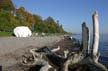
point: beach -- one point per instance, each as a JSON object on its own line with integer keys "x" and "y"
{"x": 12, "y": 48}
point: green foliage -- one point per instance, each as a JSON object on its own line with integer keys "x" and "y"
{"x": 4, "y": 34}
{"x": 21, "y": 13}
{"x": 23, "y": 18}
{"x": 6, "y": 5}
{"x": 7, "y": 21}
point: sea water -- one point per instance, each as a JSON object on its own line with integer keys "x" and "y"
{"x": 103, "y": 46}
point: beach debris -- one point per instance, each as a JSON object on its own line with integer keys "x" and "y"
{"x": 43, "y": 34}
{"x": 95, "y": 37}
{"x": 22, "y": 31}
{"x": 95, "y": 53}
{"x": 66, "y": 53}
{"x": 93, "y": 56}
{"x": 36, "y": 34}
{"x": 87, "y": 58}
{"x": 68, "y": 37}
{"x": 56, "y": 49}
{"x": 36, "y": 60}
{"x": 85, "y": 40}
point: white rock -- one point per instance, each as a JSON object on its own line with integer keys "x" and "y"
{"x": 22, "y": 31}
{"x": 36, "y": 34}
{"x": 43, "y": 34}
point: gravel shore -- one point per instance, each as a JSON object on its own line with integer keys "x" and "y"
{"x": 9, "y": 44}
{"x": 12, "y": 48}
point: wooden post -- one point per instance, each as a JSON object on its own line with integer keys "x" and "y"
{"x": 85, "y": 39}
{"x": 88, "y": 40}
{"x": 95, "y": 35}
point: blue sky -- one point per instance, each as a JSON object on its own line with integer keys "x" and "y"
{"x": 70, "y": 13}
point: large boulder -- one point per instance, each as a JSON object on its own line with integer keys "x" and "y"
{"x": 22, "y": 31}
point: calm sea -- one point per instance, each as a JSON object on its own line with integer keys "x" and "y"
{"x": 103, "y": 47}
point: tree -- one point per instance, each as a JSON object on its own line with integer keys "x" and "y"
{"x": 6, "y": 5}
{"x": 7, "y": 21}
{"x": 25, "y": 16}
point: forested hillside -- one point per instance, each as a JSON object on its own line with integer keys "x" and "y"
{"x": 10, "y": 17}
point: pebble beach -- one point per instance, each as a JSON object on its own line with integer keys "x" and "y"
{"x": 12, "y": 48}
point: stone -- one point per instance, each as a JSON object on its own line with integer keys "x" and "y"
{"x": 22, "y": 31}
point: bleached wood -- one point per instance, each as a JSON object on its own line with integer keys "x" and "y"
{"x": 95, "y": 35}
{"x": 56, "y": 49}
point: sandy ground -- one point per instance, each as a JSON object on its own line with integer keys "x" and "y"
{"x": 12, "y": 48}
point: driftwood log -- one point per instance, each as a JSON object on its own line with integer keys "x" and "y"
{"x": 93, "y": 56}
{"x": 95, "y": 37}
{"x": 85, "y": 40}
{"x": 89, "y": 56}
{"x": 86, "y": 57}
{"x": 36, "y": 60}
{"x": 95, "y": 52}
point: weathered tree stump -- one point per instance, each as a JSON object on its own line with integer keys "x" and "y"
{"x": 94, "y": 56}
{"x": 90, "y": 58}
{"x": 95, "y": 37}
{"x": 85, "y": 40}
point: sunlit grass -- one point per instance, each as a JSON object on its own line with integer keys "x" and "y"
{"x": 5, "y": 34}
